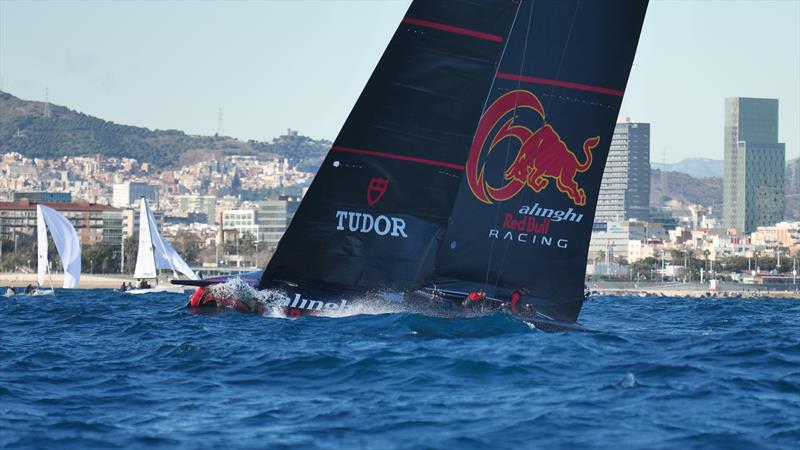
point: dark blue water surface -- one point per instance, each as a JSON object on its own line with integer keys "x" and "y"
{"x": 107, "y": 370}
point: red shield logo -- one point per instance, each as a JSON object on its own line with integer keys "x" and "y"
{"x": 377, "y": 187}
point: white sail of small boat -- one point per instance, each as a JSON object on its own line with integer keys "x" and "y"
{"x": 67, "y": 244}
{"x": 155, "y": 253}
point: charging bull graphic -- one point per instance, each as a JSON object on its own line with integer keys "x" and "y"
{"x": 543, "y": 156}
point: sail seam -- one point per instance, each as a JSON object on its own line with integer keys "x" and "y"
{"x": 563, "y": 84}
{"x": 453, "y": 29}
{"x": 428, "y": 162}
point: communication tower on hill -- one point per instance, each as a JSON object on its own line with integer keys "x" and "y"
{"x": 219, "y": 122}
{"x": 46, "y": 102}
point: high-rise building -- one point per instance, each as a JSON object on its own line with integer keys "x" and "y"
{"x": 127, "y": 194}
{"x": 753, "y": 187}
{"x": 793, "y": 176}
{"x": 625, "y": 190}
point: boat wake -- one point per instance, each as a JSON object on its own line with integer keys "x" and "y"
{"x": 273, "y": 302}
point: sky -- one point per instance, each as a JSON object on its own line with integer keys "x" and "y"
{"x": 301, "y": 64}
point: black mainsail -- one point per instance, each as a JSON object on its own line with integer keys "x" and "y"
{"x": 376, "y": 210}
{"x": 473, "y": 158}
{"x": 524, "y": 211}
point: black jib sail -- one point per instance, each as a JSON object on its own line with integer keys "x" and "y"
{"x": 523, "y": 215}
{"x": 378, "y": 207}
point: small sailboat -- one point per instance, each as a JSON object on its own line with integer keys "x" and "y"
{"x": 155, "y": 253}
{"x": 67, "y": 244}
{"x": 466, "y": 177}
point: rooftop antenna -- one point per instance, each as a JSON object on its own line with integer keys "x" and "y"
{"x": 46, "y": 102}
{"x": 219, "y": 122}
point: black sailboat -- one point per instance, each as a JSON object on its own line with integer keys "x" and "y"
{"x": 470, "y": 164}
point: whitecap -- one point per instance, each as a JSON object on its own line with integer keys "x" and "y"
{"x": 628, "y": 381}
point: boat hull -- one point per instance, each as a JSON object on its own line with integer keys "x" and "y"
{"x": 42, "y": 292}
{"x": 173, "y": 289}
{"x": 293, "y": 301}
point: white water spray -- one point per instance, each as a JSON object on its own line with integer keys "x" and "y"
{"x": 274, "y": 301}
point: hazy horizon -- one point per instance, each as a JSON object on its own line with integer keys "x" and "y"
{"x": 301, "y": 65}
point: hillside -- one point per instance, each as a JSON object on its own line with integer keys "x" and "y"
{"x": 696, "y": 167}
{"x": 25, "y": 128}
{"x": 680, "y": 186}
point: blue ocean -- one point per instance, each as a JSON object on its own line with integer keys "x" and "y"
{"x": 101, "y": 369}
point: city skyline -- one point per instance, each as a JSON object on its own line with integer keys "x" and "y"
{"x": 268, "y": 69}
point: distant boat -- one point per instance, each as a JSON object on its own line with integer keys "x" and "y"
{"x": 154, "y": 254}
{"x": 67, "y": 244}
{"x": 466, "y": 177}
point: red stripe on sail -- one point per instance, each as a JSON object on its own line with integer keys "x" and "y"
{"x": 452, "y": 29}
{"x": 413, "y": 159}
{"x": 563, "y": 84}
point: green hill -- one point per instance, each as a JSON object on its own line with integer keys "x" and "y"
{"x": 680, "y": 186}
{"x": 25, "y": 128}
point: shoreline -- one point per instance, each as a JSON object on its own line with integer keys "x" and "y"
{"x": 695, "y": 293}
{"x": 113, "y": 281}
{"x": 88, "y": 281}
{"x": 693, "y": 290}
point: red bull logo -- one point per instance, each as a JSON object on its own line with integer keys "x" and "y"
{"x": 543, "y": 156}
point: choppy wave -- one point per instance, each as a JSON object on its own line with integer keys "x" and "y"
{"x": 100, "y": 369}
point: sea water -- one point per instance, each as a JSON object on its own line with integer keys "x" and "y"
{"x": 102, "y": 369}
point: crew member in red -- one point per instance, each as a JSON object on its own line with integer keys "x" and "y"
{"x": 475, "y": 298}
{"x": 515, "y": 298}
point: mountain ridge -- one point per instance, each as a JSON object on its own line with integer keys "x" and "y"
{"x": 44, "y": 130}
{"x": 696, "y": 167}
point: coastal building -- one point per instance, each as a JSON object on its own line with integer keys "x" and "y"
{"x": 625, "y": 189}
{"x": 611, "y": 240}
{"x": 130, "y": 220}
{"x": 275, "y": 216}
{"x": 649, "y": 248}
{"x": 94, "y": 223}
{"x": 126, "y": 194}
{"x": 753, "y": 185}
{"x": 664, "y": 217}
{"x": 782, "y": 234}
{"x": 194, "y": 203}
{"x": 43, "y": 197}
{"x": 244, "y": 220}
{"x": 266, "y": 223}
{"x": 292, "y": 203}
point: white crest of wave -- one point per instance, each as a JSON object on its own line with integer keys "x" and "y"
{"x": 238, "y": 289}
{"x": 628, "y": 381}
{"x": 370, "y": 304}
{"x": 274, "y": 300}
